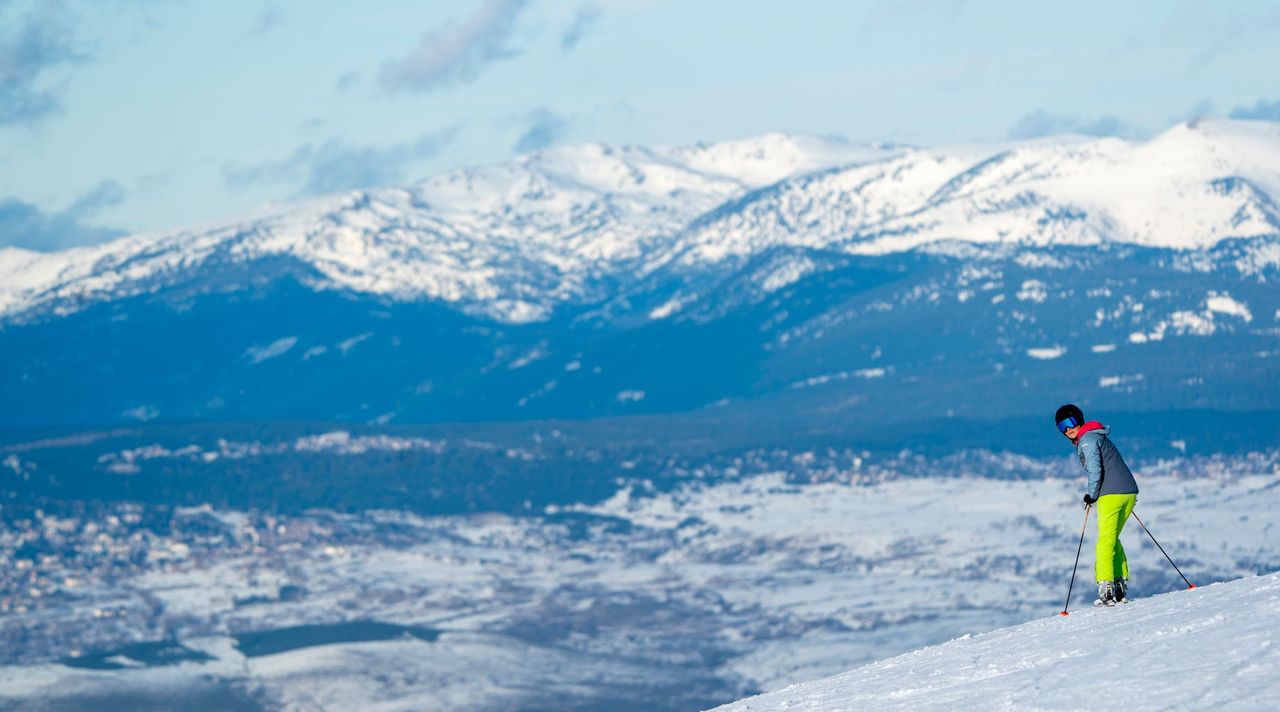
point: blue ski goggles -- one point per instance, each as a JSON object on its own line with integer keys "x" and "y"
{"x": 1067, "y": 423}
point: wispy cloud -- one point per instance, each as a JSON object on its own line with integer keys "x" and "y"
{"x": 543, "y": 129}
{"x": 584, "y": 20}
{"x": 334, "y": 165}
{"x": 1217, "y": 30}
{"x": 1261, "y": 111}
{"x": 1201, "y": 110}
{"x": 32, "y": 45}
{"x": 1042, "y": 123}
{"x": 267, "y": 20}
{"x": 910, "y": 13}
{"x": 23, "y": 224}
{"x": 348, "y": 81}
{"x": 106, "y": 194}
{"x": 457, "y": 51}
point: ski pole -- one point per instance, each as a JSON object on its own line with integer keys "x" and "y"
{"x": 1077, "y": 563}
{"x": 1162, "y": 551}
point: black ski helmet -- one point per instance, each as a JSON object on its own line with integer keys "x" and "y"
{"x": 1068, "y": 411}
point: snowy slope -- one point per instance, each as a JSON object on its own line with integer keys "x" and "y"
{"x": 513, "y": 241}
{"x": 1212, "y": 648}
{"x": 1188, "y": 188}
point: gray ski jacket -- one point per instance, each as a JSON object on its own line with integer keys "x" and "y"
{"x": 1107, "y": 472}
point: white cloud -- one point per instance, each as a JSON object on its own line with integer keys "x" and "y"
{"x": 457, "y": 51}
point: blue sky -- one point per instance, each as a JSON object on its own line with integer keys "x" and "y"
{"x": 126, "y": 115}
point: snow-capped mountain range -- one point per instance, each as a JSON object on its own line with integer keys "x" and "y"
{"x": 789, "y": 275}
{"x": 509, "y": 240}
{"x": 514, "y": 241}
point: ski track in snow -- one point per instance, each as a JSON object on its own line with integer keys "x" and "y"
{"x": 1209, "y": 648}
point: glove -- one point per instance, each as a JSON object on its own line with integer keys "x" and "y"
{"x": 1089, "y": 500}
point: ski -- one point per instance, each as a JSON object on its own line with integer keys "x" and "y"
{"x": 1099, "y": 603}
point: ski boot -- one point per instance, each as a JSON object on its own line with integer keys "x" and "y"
{"x": 1120, "y": 589}
{"x": 1106, "y": 595}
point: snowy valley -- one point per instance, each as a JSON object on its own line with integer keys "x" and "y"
{"x": 675, "y": 600}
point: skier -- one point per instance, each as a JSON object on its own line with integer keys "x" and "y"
{"x": 1112, "y": 488}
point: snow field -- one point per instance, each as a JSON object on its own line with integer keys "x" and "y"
{"x": 1214, "y": 647}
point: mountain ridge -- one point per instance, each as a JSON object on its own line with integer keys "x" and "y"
{"x": 517, "y": 241}
{"x": 780, "y": 278}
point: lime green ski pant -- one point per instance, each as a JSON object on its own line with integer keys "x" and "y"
{"x": 1113, "y": 511}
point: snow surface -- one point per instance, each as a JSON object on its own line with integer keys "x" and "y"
{"x": 1224, "y": 304}
{"x": 1214, "y": 647}
{"x": 1047, "y": 353}
{"x": 513, "y": 241}
{"x": 1188, "y": 188}
{"x": 258, "y": 354}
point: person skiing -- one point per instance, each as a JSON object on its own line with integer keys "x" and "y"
{"x": 1112, "y": 489}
